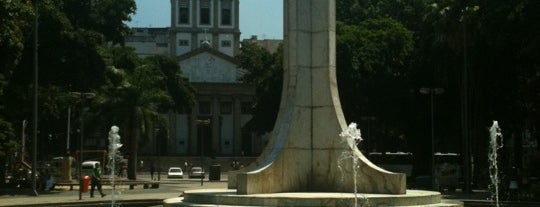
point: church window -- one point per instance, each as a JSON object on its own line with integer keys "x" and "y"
{"x": 183, "y": 43}
{"x": 205, "y": 12}
{"x": 183, "y": 11}
{"x": 225, "y": 107}
{"x": 226, "y": 43}
{"x": 205, "y": 107}
{"x": 226, "y": 12}
{"x": 162, "y": 44}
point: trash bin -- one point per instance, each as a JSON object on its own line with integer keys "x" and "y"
{"x": 85, "y": 183}
{"x": 215, "y": 173}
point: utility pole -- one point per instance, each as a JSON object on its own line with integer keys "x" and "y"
{"x": 432, "y": 92}
{"x": 204, "y": 122}
{"x": 36, "y": 91}
{"x": 82, "y": 97}
{"x": 465, "y": 117}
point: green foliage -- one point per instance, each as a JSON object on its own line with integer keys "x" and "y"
{"x": 125, "y": 58}
{"x": 494, "y": 42}
{"x": 376, "y": 45}
{"x": 106, "y": 17}
{"x": 16, "y": 18}
{"x": 8, "y": 145}
{"x": 407, "y": 12}
{"x": 73, "y": 56}
{"x": 138, "y": 92}
{"x": 373, "y": 58}
{"x": 264, "y": 70}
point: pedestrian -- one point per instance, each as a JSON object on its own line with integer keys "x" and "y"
{"x": 159, "y": 172}
{"x": 152, "y": 169}
{"x": 96, "y": 181}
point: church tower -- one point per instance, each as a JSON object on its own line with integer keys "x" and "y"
{"x": 194, "y": 22}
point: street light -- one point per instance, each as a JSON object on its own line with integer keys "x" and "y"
{"x": 35, "y": 108}
{"x": 82, "y": 97}
{"x": 203, "y": 122}
{"x": 432, "y": 92}
{"x": 156, "y": 131}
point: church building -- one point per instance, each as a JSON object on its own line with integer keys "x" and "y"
{"x": 204, "y": 37}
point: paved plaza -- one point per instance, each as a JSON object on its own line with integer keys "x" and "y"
{"x": 168, "y": 188}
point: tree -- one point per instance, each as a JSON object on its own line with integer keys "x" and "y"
{"x": 136, "y": 99}
{"x": 494, "y": 41}
{"x": 265, "y": 71}
{"x": 372, "y": 60}
{"x": 8, "y": 146}
{"x": 15, "y": 22}
{"x": 106, "y": 17}
{"x": 72, "y": 56}
{"x": 15, "y": 25}
{"x": 175, "y": 84}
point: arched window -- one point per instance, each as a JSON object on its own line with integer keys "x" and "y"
{"x": 226, "y": 12}
{"x": 183, "y": 11}
{"x": 205, "y": 12}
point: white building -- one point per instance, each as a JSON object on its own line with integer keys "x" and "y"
{"x": 196, "y": 21}
{"x": 203, "y": 37}
{"x": 149, "y": 41}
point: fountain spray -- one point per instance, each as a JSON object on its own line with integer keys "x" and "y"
{"x": 114, "y": 145}
{"x": 495, "y": 143}
{"x": 352, "y": 136}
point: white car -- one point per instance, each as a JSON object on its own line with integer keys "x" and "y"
{"x": 196, "y": 172}
{"x": 175, "y": 172}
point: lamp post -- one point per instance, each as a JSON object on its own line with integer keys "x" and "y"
{"x": 432, "y": 92}
{"x": 82, "y": 97}
{"x": 156, "y": 131}
{"x": 68, "y": 130}
{"x": 203, "y": 122}
{"x": 35, "y": 108}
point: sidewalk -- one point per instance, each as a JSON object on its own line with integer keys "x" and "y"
{"x": 62, "y": 196}
{"x": 171, "y": 188}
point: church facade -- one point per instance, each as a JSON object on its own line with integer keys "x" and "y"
{"x": 204, "y": 37}
{"x": 194, "y": 22}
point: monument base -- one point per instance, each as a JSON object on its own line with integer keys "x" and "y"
{"x": 228, "y": 197}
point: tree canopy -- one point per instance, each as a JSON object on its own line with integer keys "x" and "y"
{"x": 135, "y": 97}
{"x": 78, "y": 52}
{"x": 387, "y": 50}
{"x": 265, "y": 71}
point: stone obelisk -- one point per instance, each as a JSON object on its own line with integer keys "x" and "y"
{"x": 303, "y": 153}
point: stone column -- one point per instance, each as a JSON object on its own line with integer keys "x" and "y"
{"x": 237, "y": 133}
{"x": 305, "y": 146}
{"x": 236, "y": 27}
{"x": 214, "y": 126}
{"x": 172, "y": 34}
{"x": 193, "y": 132}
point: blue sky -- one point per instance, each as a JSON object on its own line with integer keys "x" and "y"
{"x": 263, "y": 18}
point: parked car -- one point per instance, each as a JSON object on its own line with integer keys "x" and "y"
{"x": 175, "y": 172}
{"x": 87, "y": 167}
{"x": 196, "y": 172}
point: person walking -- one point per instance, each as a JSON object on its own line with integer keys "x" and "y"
{"x": 152, "y": 169}
{"x": 96, "y": 181}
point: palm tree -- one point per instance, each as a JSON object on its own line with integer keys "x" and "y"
{"x": 135, "y": 99}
